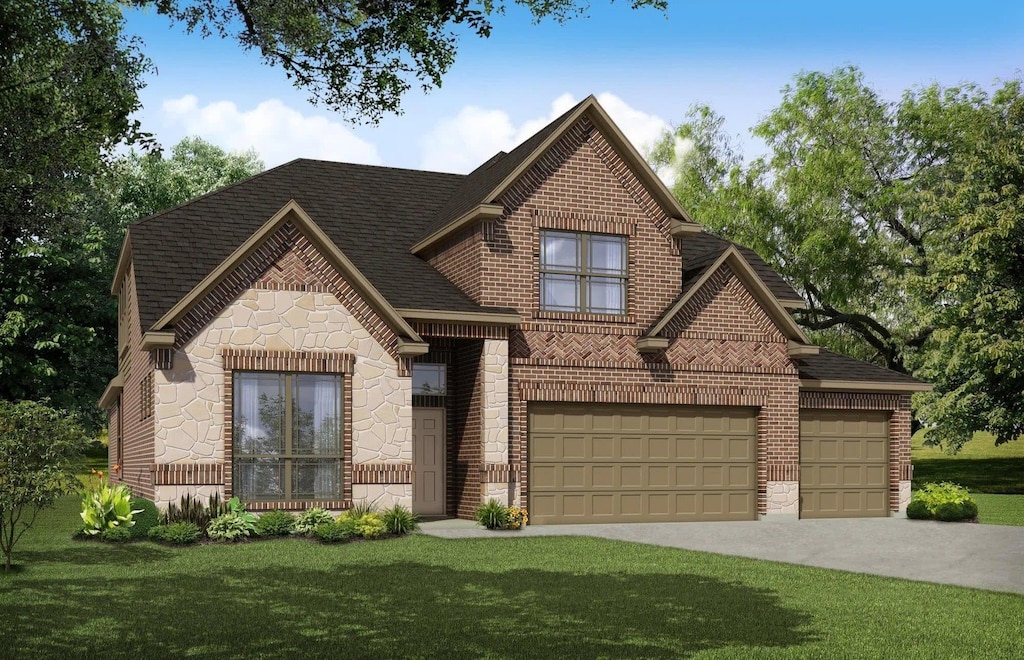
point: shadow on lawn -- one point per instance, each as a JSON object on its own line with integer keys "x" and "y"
{"x": 981, "y": 475}
{"x": 91, "y": 553}
{"x": 402, "y": 609}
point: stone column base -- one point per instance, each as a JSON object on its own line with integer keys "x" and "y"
{"x": 783, "y": 498}
{"x": 904, "y": 496}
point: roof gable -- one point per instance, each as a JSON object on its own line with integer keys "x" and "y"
{"x": 486, "y": 184}
{"x": 732, "y": 258}
{"x": 291, "y": 212}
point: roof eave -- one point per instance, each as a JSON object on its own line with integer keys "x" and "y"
{"x": 123, "y": 260}
{"x": 111, "y": 392}
{"x": 477, "y": 318}
{"x": 478, "y": 214}
{"x": 863, "y": 386}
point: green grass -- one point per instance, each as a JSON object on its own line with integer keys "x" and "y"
{"x": 508, "y": 597}
{"x": 980, "y": 466}
{"x": 994, "y": 475}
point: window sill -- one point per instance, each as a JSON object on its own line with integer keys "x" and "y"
{"x": 586, "y": 318}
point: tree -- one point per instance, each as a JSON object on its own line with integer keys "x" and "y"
{"x": 38, "y": 446}
{"x": 357, "y": 56}
{"x": 60, "y": 322}
{"x": 977, "y": 354}
{"x": 853, "y": 203}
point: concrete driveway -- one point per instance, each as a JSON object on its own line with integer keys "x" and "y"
{"x": 964, "y": 554}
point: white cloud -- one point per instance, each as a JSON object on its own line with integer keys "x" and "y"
{"x": 462, "y": 142}
{"x": 681, "y": 148}
{"x": 277, "y": 132}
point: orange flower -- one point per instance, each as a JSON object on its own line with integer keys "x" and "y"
{"x": 117, "y": 468}
{"x": 100, "y": 473}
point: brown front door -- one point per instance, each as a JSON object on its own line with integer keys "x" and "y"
{"x": 844, "y": 464}
{"x": 610, "y": 463}
{"x": 428, "y": 440}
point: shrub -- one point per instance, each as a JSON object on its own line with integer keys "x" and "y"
{"x": 333, "y": 532}
{"x": 492, "y": 515}
{"x": 370, "y": 526}
{"x": 178, "y": 533}
{"x": 192, "y": 510}
{"x": 360, "y": 510}
{"x": 515, "y": 517}
{"x": 105, "y": 506}
{"x": 38, "y": 447}
{"x": 954, "y": 501}
{"x": 956, "y": 511}
{"x": 400, "y": 520}
{"x": 234, "y": 525}
{"x": 275, "y": 523}
{"x": 148, "y": 516}
{"x": 119, "y": 534}
{"x": 918, "y": 510}
{"x": 306, "y": 523}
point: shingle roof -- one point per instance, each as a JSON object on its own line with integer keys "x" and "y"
{"x": 703, "y": 249}
{"x": 373, "y": 214}
{"x": 833, "y": 366}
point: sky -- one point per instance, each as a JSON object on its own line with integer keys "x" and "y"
{"x": 645, "y": 67}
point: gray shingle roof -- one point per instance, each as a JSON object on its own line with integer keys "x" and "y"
{"x": 703, "y": 249}
{"x": 827, "y": 365}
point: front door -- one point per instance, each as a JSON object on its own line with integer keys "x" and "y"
{"x": 428, "y": 440}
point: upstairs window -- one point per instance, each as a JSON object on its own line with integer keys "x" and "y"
{"x": 584, "y": 273}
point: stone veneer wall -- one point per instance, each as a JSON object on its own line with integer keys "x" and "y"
{"x": 898, "y": 407}
{"x": 190, "y": 410}
{"x": 494, "y": 370}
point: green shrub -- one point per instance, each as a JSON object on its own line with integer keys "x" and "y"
{"x": 400, "y": 520}
{"x": 956, "y": 511}
{"x": 493, "y": 515}
{"x": 148, "y": 516}
{"x": 177, "y": 533}
{"x": 954, "y": 501}
{"x": 306, "y": 523}
{"x": 105, "y": 505}
{"x": 193, "y": 510}
{"x": 370, "y": 526}
{"x": 359, "y": 510}
{"x": 918, "y": 510}
{"x": 234, "y": 525}
{"x": 349, "y": 524}
{"x": 275, "y": 523}
{"x": 119, "y": 534}
{"x": 333, "y": 532}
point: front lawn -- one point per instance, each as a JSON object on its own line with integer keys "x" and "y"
{"x": 509, "y": 597}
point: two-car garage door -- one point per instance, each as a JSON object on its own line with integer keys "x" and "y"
{"x": 591, "y": 463}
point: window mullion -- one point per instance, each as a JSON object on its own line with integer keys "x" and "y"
{"x": 289, "y": 402}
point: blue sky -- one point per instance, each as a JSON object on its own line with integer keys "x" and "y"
{"x": 646, "y": 67}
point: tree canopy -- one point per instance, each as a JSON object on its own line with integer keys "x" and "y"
{"x": 358, "y": 57}
{"x": 877, "y": 211}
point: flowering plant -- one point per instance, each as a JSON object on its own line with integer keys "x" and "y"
{"x": 515, "y": 517}
{"x": 105, "y": 506}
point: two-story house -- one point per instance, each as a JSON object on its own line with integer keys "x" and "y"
{"x": 551, "y": 330}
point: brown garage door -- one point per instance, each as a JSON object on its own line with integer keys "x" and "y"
{"x": 592, "y": 463}
{"x": 844, "y": 465}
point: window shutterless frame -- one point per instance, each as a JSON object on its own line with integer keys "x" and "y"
{"x": 580, "y": 265}
{"x": 289, "y": 453}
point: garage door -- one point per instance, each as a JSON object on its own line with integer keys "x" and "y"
{"x": 593, "y": 464}
{"x": 844, "y": 467}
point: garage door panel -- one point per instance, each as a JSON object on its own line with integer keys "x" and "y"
{"x": 658, "y": 465}
{"x": 843, "y": 463}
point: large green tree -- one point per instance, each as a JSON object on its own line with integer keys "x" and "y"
{"x": 60, "y": 322}
{"x": 357, "y": 56}
{"x": 854, "y": 202}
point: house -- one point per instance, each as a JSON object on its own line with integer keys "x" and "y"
{"x": 551, "y": 330}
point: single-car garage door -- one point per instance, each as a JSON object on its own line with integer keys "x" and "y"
{"x": 594, "y": 463}
{"x": 844, "y": 464}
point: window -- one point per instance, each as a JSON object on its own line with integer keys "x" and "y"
{"x": 582, "y": 273}
{"x": 428, "y": 379}
{"x": 287, "y": 436}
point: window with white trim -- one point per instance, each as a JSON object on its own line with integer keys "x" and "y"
{"x": 584, "y": 273}
{"x": 287, "y": 436}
